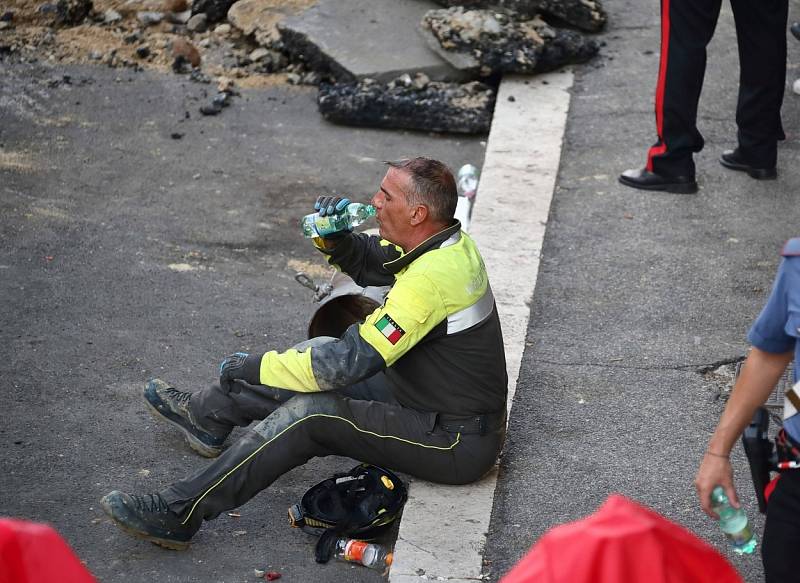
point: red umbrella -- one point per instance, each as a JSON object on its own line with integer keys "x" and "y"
{"x": 622, "y": 542}
{"x": 31, "y": 553}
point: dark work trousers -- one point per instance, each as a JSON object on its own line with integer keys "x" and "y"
{"x": 782, "y": 531}
{"x": 686, "y": 29}
{"x": 363, "y": 422}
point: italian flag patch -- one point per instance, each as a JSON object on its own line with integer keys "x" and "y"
{"x": 390, "y": 329}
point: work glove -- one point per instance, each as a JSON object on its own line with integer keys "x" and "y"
{"x": 330, "y": 205}
{"x": 240, "y": 366}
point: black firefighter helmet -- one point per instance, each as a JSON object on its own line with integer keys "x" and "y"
{"x": 360, "y": 503}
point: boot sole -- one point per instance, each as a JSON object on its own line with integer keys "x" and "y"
{"x": 161, "y": 542}
{"x": 673, "y": 188}
{"x": 194, "y": 443}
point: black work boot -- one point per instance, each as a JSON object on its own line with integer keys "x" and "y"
{"x": 148, "y": 516}
{"x": 169, "y": 404}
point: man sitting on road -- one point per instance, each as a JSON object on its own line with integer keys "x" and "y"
{"x": 418, "y": 387}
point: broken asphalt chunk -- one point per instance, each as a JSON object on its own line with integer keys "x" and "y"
{"x": 303, "y": 49}
{"x": 221, "y": 99}
{"x": 197, "y": 23}
{"x": 436, "y": 106}
{"x": 347, "y": 40}
{"x": 149, "y": 18}
{"x": 587, "y": 15}
{"x": 72, "y": 12}
{"x": 225, "y": 90}
{"x": 487, "y": 42}
{"x": 210, "y": 109}
{"x": 215, "y": 10}
{"x": 199, "y": 77}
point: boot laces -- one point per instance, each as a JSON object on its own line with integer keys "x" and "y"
{"x": 152, "y": 503}
{"x": 180, "y": 397}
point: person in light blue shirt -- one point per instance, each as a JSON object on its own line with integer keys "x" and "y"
{"x": 774, "y": 337}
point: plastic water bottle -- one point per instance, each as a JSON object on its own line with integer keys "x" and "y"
{"x": 356, "y": 213}
{"x": 359, "y": 551}
{"x": 467, "y": 183}
{"x": 733, "y": 522}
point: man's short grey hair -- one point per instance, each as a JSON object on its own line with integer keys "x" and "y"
{"x": 432, "y": 185}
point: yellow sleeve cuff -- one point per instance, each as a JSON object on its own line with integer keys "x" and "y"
{"x": 289, "y": 370}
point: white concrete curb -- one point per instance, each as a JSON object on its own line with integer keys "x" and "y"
{"x": 443, "y": 529}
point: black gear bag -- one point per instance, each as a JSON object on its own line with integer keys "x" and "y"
{"x": 361, "y": 503}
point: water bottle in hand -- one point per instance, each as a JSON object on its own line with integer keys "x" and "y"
{"x": 356, "y": 213}
{"x": 733, "y": 522}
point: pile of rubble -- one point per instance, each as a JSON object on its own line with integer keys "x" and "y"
{"x": 247, "y": 40}
{"x": 586, "y": 15}
{"x": 196, "y": 38}
{"x": 488, "y": 42}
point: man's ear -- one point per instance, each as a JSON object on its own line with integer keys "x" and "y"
{"x": 419, "y": 214}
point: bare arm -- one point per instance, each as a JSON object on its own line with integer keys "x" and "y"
{"x": 760, "y": 373}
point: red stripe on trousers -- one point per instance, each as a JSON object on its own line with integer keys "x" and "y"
{"x": 660, "y": 86}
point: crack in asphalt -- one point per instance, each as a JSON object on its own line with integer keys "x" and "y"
{"x": 699, "y": 368}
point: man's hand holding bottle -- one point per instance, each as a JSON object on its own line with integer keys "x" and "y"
{"x": 330, "y": 205}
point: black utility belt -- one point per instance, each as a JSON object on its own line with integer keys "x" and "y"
{"x": 475, "y": 424}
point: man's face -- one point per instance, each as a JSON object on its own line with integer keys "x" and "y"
{"x": 394, "y": 213}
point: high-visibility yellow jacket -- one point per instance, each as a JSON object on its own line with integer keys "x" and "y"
{"x": 437, "y": 335}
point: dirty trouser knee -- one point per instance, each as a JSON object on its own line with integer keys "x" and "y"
{"x": 322, "y": 424}
{"x": 219, "y": 411}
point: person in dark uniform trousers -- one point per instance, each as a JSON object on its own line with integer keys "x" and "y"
{"x": 687, "y": 27}
{"x": 419, "y": 387}
{"x": 774, "y": 337}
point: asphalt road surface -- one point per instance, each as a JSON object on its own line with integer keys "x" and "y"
{"x": 126, "y": 254}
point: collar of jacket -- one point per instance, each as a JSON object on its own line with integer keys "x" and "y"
{"x": 432, "y": 242}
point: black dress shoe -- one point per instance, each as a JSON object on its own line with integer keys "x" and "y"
{"x": 646, "y": 180}
{"x": 795, "y": 28}
{"x": 733, "y": 160}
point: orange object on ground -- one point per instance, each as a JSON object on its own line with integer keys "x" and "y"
{"x": 622, "y": 542}
{"x": 32, "y": 552}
